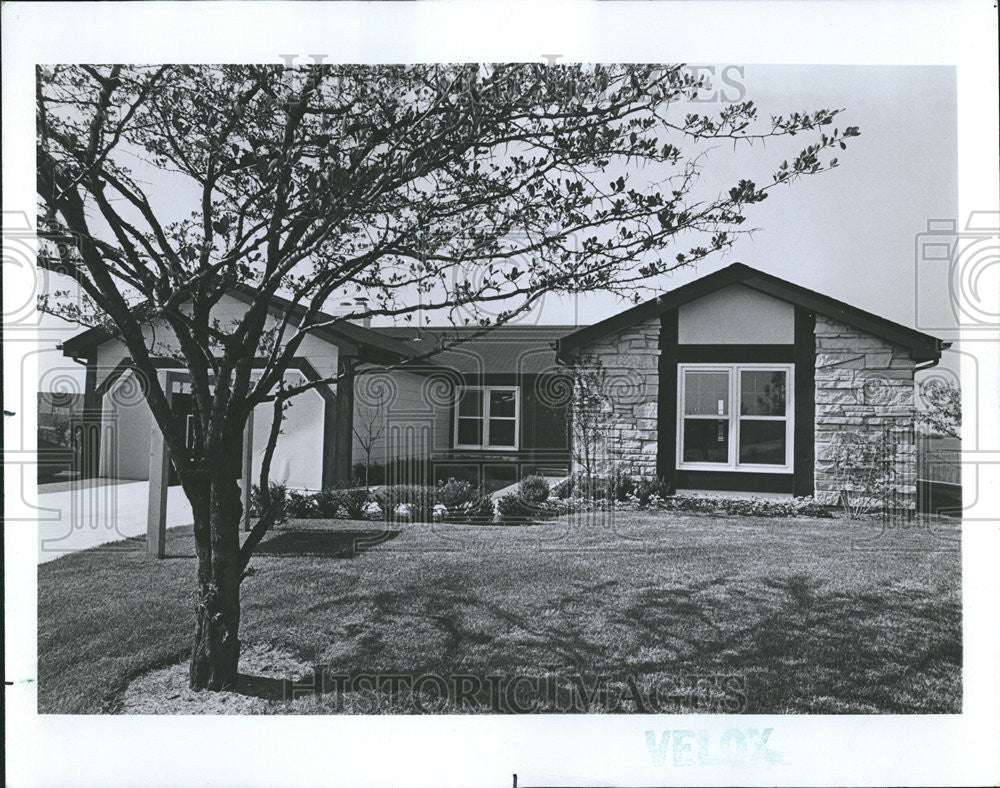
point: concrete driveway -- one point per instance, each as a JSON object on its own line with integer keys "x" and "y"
{"x": 80, "y": 514}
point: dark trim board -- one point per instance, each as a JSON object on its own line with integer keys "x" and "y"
{"x": 735, "y": 354}
{"x": 666, "y": 407}
{"x": 804, "y": 437}
{"x": 734, "y": 480}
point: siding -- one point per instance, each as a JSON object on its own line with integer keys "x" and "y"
{"x": 736, "y": 315}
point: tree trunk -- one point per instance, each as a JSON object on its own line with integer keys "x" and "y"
{"x": 217, "y": 508}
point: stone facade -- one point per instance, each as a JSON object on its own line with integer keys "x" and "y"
{"x": 629, "y": 365}
{"x": 864, "y": 392}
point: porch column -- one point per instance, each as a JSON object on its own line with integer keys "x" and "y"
{"x": 666, "y": 413}
{"x": 92, "y": 424}
{"x": 343, "y": 427}
{"x": 159, "y": 476}
{"x": 804, "y": 439}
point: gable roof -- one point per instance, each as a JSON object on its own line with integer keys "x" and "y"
{"x": 923, "y": 347}
{"x": 372, "y": 345}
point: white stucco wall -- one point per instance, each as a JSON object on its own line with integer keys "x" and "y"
{"x": 298, "y": 459}
{"x": 126, "y": 431}
{"x": 736, "y": 315}
{"x": 298, "y": 454}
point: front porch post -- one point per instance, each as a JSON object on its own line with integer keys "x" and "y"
{"x": 159, "y": 477}
{"x": 344, "y": 425}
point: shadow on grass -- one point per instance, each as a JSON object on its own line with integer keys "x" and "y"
{"x": 799, "y": 649}
{"x": 323, "y": 544}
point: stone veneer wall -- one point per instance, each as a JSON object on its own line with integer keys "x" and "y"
{"x": 865, "y": 385}
{"x": 630, "y": 360}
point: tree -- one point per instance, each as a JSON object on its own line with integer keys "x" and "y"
{"x": 468, "y": 191}
{"x": 369, "y": 426}
{"x": 943, "y": 407}
{"x": 590, "y": 408}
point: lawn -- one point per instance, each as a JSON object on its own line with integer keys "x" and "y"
{"x": 641, "y": 611}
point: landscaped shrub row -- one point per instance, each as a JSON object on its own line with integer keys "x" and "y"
{"x": 460, "y": 502}
{"x": 452, "y": 501}
{"x": 619, "y": 486}
{"x": 744, "y": 507}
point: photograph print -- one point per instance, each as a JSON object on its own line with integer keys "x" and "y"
{"x": 497, "y": 388}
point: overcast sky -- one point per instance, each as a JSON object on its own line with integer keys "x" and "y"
{"x": 849, "y": 233}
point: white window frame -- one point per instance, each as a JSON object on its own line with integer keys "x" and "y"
{"x": 486, "y": 417}
{"x": 734, "y": 417}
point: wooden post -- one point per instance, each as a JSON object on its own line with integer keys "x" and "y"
{"x": 247, "y": 470}
{"x": 159, "y": 477}
{"x": 344, "y": 426}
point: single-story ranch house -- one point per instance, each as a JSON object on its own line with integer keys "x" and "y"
{"x": 738, "y": 381}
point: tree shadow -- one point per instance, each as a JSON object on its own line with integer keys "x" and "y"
{"x": 791, "y": 646}
{"x": 323, "y": 543}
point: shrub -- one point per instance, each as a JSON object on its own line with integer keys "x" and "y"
{"x": 454, "y": 493}
{"x": 419, "y": 502}
{"x": 512, "y": 508}
{"x": 650, "y": 490}
{"x": 619, "y": 486}
{"x": 344, "y": 503}
{"x": 462, "y": 502}
{"x": 563, "y": 488}
{"x": 622, "y": 484}
{"x": 528, "y": 502}
{"x": 480, "y": 509}
{"x": 869, "y": 468}
{"x": 279, "y": 492}
{"x": 298, "y": 504}
{"x": 533, "y": 490}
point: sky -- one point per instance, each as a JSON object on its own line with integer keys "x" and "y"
{"x": 850, "y": 233}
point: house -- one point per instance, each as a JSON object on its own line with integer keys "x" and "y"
{"x": 738, "y": 381}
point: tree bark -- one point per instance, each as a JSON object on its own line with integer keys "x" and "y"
{"x": 217, "y": 508}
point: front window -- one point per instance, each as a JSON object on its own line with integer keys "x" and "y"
{"x": 486, "y": 417}
{"x": 735, "y": 417}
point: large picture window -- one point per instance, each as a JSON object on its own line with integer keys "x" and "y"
{"x": 735, "y": 417}
{"x": 486, "y": 417}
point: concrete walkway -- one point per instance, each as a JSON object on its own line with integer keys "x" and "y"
{"x": 76, "y": 515}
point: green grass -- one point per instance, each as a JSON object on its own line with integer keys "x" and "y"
{"x": 801, "y": 614}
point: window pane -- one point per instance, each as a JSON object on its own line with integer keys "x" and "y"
{"x": 501, "y": 432}
{"x": 706, "y": 440}
{"x": 470, "y": 431}
{"x": 706, "y": 393}
{"x": 470, "y": 403}
{"x": 502, "y": 403}
{"x": 762, "y": 393}
{"x": 762, "y": 442}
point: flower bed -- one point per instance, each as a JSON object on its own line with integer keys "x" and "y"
{"x": 451, "y": 501}
{"x": 458, "y": 501}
